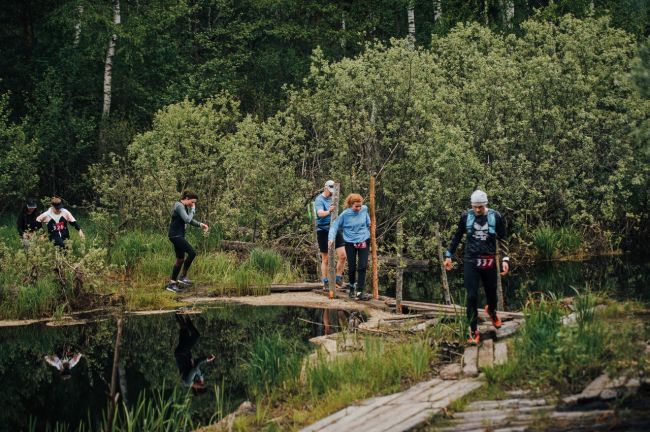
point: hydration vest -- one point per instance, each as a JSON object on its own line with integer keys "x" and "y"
{"x": 471, "y": 217}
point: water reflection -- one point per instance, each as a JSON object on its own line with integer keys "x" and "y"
{"x": 148, "y": 360}
{"x": 64, "y": 363}
{"x": 621, "y": 277}
{"x": 188, "y": 366}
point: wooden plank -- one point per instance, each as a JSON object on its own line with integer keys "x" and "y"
{"x": 470, "y": 361}
{"x": 451, "y": 371}
{"x": 463, "y": 387}
{"x": 508, "y": 328}
{"x": 504, "y": 404}
{"x": 500, "y": 353}
{"x": 486, "y": 354}
{"x": 387, "y": 419}
{"x": 453, "y": 308}
{"x": 299, "y": 286}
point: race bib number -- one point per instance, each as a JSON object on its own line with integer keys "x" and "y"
{"x": 361, "y": 245}
{"x": 485, "y": 262}
{"x": 59, "y": 226}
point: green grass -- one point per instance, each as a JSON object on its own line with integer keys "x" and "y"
{"x": 382, "y": 367}
{"x": 554, "y": 357}
{"x": 551, "y": 242}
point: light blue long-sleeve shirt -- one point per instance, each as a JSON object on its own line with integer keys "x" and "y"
{"x": 354, "y": 225}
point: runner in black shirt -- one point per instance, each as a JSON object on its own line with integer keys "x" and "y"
{"x": 182, "y": 213}
{"x": 484, "y": 227}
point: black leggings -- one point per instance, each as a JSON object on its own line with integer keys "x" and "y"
{"x": 182, "y": 247}
{"x": 360, "y": 268}
{"x": 473, "y": 276}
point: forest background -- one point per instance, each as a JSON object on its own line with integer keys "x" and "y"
{"x": 118, "y": 105}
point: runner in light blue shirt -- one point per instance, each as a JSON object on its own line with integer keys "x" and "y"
{"x": 324, "y": 207}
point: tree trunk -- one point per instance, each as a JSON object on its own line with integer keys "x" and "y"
{"x": 343, "y": 41}
{"x": 108, "y": 65}
{"x": 443, "y": 272}
{"x": 77, "y": 26}
{"x": 114, "y": 395}
{"x": 411, "y": 18}
{"x": 509, "y": 12}
{"x": 437, "y": 10}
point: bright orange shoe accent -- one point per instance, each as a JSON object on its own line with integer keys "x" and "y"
{"x": 474, "y": 338}
{"x": 496, "y": 321}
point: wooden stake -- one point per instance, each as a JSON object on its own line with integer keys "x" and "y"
{"x": 112, "y": 405}
{"x": 318, "y": 257}
{"x": 399, "y": 278}
{"x": 373, "y": 240}
{"x": 443, "y": 272}
{"x": 499, "y": 285}
{"x": 331, "y": 251}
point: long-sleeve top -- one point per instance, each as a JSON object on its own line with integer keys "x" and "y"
{"x": 480, "y": 242}
{"x": 355, "y": 225}
{"x": 181, "y": 216}
{"x": 27, "y": 222}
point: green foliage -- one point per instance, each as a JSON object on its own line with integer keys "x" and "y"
{"x": 267, "y": 261}
{"x": 43, "y": 279}
{"x": 273, "y": 365}
{"x": 552, "y": 242}
{"x": 18, "y": 166}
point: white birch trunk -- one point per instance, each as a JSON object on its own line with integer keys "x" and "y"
{"x": 437, "y": 10}
{"x": 486, "y": 8}
{"x": 411, "y": 19}
{"x": 77, "y": 26}
{"x": 510, "y": 12}
{"x": 108, "y": 65}
{"x": 343, "y": 29}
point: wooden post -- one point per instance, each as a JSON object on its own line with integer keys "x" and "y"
{"x": 331, "y": 250}
{"x": 399, "y": 278}
{"x": 112, "y": 404}
{"x": 318, "y": 257}
{"x": 443, "y": 272}
{"x": 373, "y": 240}
{"x": 499, "y": 285}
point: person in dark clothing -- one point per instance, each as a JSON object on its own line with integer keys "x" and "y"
{"x": 56, "y": 219}
{"x": 484, "y": 228}
{"x": 188, "y": 367}
{"x": 182, "y": 214}
{"x": 26, "y": 223}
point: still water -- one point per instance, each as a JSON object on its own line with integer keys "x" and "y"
{"x": 620, "y": 277}
{"x": 33, "y": 388}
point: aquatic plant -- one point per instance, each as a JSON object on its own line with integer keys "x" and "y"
{"x": 551, "y": 242}
{"x": 267, "y": 261}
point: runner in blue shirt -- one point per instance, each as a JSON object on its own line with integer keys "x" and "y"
{"x": 324, "y": 207}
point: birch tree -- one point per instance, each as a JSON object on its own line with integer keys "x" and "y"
{"x": 411, "y": 19}
{"x": 77, "y": 26}
{"x": 108, "y": 64}
{"x": 437, "y": 10}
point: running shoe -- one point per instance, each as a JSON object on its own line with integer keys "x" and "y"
{"x": 496, "y": 321}
{"x": 185, "y": 281}
{"x": 352, "y": 288}
{"x": 326, "y": 284}
{"x": 474, "y": 338}
{"x": 363, "y": 296}
{"x": 173, "y": 287}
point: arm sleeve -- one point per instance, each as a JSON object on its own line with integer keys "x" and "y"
{"x": 458, "y": 235}
{"x": 75, "y": 359}
{"x": 334, "y": 226}
{"x": 41, "y": 218}
{"x": 54, "y": 360}
{"x": 68, "y": 216}
{"x": 188, "y": 218}
{"x": 502, "y": 238}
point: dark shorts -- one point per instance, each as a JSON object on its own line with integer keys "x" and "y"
{"x": 322, "y": 240}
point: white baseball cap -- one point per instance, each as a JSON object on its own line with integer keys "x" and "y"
{"x": 329, "y": 184}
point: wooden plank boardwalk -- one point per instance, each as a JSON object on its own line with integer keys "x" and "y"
{"x": 399, "y": 411}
